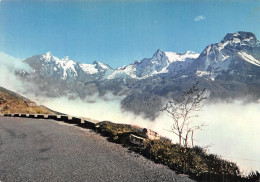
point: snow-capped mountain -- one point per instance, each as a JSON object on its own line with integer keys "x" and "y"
{"x": 228, "y": 69}
{"x": 47, "y": 65}
{"x": 70, "y": 70}
{"x": 230, "y": 56}
{"x": 161, "y": 62}
{"x": 50, "y": 65}
{"x": 96, "y": 67}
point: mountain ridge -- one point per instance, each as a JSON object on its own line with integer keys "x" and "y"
{"x": 228, "y": 69}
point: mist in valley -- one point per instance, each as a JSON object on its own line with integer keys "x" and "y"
{"x": 231, "y": 131}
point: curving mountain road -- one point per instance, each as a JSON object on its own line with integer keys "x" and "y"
{"x": 46, "y": 150}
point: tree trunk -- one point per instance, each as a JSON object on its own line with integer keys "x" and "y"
{"x": 180, "y": 138}
{"x": 192, "y": 139}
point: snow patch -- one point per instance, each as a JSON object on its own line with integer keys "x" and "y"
{"x": 125, "y": 70}
{"x": 67, "y": 65}
{"x": 222, "y": 45}
{"x": 206, "y": 75}
{"x": 248, "y": 39}
{"x": 202, "y": 73}
{"x": 173, "y": 56}
{"x": 236, "y": 34}
{"x": 249, "y": 58}
{"x": 102, "y": 65}
{"x": 236, "y": 40}
{"x": 47, "y": 56}
{"x": 225, "y": 57}
{"x": 89, "y": 68}
{"x": 208, "y": 50}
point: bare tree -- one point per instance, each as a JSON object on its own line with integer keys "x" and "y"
{"x": 182, "y": 110}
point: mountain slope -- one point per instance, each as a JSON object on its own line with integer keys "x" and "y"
{"x": 10, "y": 102}
{"x": 161, "y": 62}
{"x": 66, "y": 69}
{"x": 237, "y": 54}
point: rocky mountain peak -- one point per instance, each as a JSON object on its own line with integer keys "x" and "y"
{"x": 101, "y": 66}
{"x": 158, "y": 54}
{"x": 47, "y": 56}
{"x": 241, "y": 37}
{"x": 66, "y": 58}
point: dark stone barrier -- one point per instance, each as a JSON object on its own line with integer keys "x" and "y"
{"x": 83, "y": 122}
{"x": 70, "y": 120}
{"x": 58, "y": 118}
{"x": 40, "y": 116}
{"x": 52, "y": 117}
{"x": 16, "y": 115}
{"x": 64, "y": 118}
{"x": 76, "y": 120}
{"x": 31, "y": 116}
{"x": 89, "y": 124}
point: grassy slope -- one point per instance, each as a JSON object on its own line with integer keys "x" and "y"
{"x": 195, "y": 162}
{"x": 10, "y": 102}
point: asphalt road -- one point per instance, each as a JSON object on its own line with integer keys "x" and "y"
{"x": 45, "y": 150}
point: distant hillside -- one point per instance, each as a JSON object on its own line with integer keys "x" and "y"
{"x": 10, "y": 102}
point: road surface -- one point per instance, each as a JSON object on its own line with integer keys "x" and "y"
{"x": 46, "y": 150}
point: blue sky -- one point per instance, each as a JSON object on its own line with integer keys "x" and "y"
{"x": 120, "y": 32}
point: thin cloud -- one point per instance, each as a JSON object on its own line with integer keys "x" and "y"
{"x": 8, "y": 78}
{"x": 199, "y": 18}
